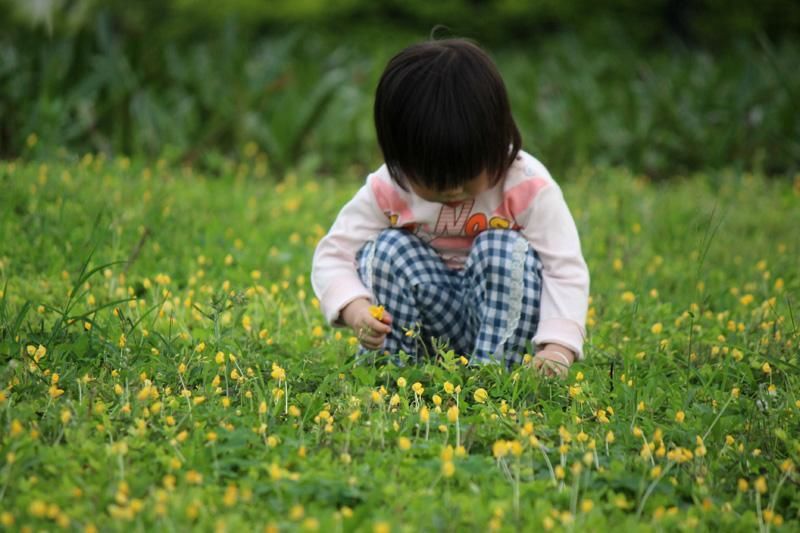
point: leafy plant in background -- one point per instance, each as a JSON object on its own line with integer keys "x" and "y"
{"x": 196, "y": 84}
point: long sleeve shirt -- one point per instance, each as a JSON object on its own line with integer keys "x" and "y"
{"x": 526, "y": 199}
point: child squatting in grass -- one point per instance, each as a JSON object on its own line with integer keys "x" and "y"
{"x": 460, "y": 235}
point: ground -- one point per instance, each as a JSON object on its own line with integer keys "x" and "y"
{"x": 164, "y": 364}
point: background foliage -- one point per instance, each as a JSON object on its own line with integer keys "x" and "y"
{"x": 661, "y": 87}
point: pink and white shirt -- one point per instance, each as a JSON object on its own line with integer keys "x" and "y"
{"x": 527, "y": 200}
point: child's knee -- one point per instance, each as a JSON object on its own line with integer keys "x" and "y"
{"x": 392, "y": 241}
{"x": 496, "y": 244}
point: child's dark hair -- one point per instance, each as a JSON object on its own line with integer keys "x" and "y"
{"x": 442, "y": 116}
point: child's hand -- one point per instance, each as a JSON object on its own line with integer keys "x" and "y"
{"x": 369, "y": 330}
{"x": 553, "y": 360}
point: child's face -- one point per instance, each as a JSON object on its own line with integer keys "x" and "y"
{"x": 469, "y": 190}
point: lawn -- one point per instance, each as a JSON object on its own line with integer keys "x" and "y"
{"x": 164, "y": 365}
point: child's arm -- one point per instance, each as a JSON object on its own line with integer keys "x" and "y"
{"x": 550, "y": 228}
{"x": 333, "y": 272}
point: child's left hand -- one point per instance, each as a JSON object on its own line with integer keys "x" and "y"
{"x": 553, "y": 360}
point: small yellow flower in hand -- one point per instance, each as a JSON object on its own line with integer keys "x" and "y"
{"x": 376, "y": 311}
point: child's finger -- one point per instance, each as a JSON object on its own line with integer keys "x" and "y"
{"x": 556, "y": 368}
{"x": 377, "y": 326}
{"x": 368, "y": 335}
{"x": 373, "y": 342}
{"x": 548, "y": 367}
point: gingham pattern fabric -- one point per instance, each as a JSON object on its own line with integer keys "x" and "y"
{"x": 488, "y": 311}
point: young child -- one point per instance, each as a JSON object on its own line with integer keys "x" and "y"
{"x": 460, "y": 235}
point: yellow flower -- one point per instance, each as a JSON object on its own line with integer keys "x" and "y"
{"x": 448, "y": 468}
{"x": 404, "y": 443}
{"x": 401, "y": 382}
{"x": 766, "y": 368}
{"x": 448, "y": 387}
{"x": 381, "y": 527}
{"x": 40, "y": 352}
{"x": 515, "y": 447}
{"x": 481, "y": 395}
{"x": 452, "y": 414}
{"x": 193, "y": 477}
{"x": 6, "y": 519}
{"x": 424, "y": 414}
{"x": 680, "y": 416}
{"x": 447, "y": 453}
{"x": 657, "y": 328}
{"x": 296, "y": 512}
{"x": 230, "y": 496}
{"x": 500, "y": 448}
{"x": 761, "y": 485}
{"x": 376, "y": 311}
{"x": 418, "y": 388}
{"x": 394, "y": 400}
{"x": 278, "y": 373}
{"x": 37, "y": 508}
{"x": 628, "y": 297}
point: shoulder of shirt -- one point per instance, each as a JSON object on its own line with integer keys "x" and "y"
{"x": 380, "y": 183}
{"x": 527, "y": 168}
{"x": 381, "y": 173}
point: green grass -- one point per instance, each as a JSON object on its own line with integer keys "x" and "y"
{"x": 133, "y": 279}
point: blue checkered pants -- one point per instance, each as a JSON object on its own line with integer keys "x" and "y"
{"x": 487, "y": 311}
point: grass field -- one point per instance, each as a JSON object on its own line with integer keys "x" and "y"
{"x": 163, "y": 365}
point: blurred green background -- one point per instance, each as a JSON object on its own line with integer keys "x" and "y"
{"x": 664, "y": 88}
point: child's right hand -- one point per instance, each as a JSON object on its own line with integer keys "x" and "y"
{"x": 370, "y": 331}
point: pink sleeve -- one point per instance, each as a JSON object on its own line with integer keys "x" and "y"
{"x": 334, "y": 274}
{"x": 550, "y": 228}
